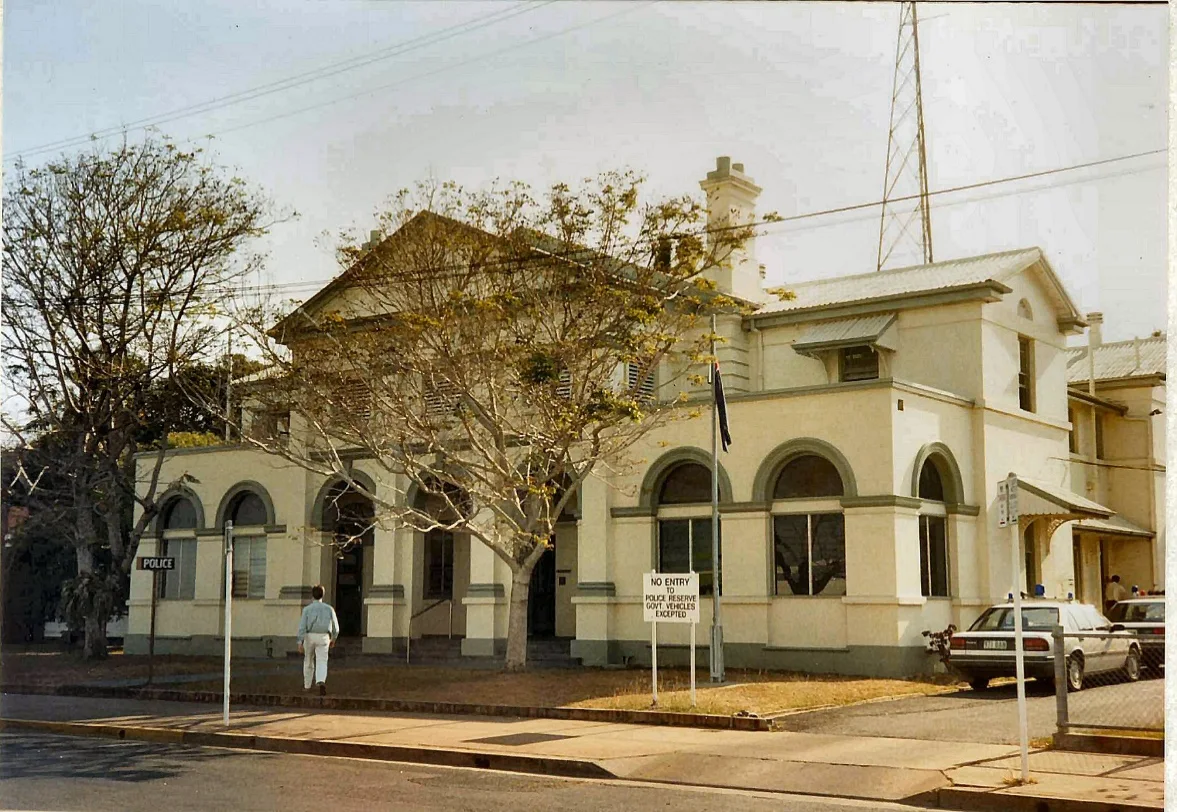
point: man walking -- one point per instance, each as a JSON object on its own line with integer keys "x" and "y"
{"x": 317, "y": 632}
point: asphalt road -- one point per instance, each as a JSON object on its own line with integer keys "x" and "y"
{"x": 989, "y": 716}
{"x": 65, "y": 773}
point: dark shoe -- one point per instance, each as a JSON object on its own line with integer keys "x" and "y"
{"x": 322, "y": 689}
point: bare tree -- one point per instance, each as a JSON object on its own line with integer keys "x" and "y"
{"x": 495, "y": 351}
{"x": 111, "y": 262}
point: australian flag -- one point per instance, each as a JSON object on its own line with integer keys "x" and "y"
{"x": 725, "y": 434}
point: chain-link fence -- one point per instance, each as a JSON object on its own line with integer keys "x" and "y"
{"x": 1108, "y": 681}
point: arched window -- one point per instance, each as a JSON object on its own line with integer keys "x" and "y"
{"x": 179, "y": 514}
{"x": 684, "y": 542}
{"x": 179, "y": 542}
{"x": 687, "y": 483}
{"x": 809, "y": 549}
{"x": 249, "y": 548}
{"x": 933, "y": 533}
{"x": 808, "y": 477}
{"x": 248, "y": 511}
{"x": 1024, "y": 310}
{"x": 931, "y": 485}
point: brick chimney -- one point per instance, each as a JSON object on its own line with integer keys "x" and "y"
{"x": 731, "y": 201}
{"x": 1095, "y": 329}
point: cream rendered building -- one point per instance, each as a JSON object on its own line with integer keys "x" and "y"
{"x": 872, "y": 416}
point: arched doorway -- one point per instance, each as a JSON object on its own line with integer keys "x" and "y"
{"x": 349, "y": 517}
{"x": 542, "y": 594}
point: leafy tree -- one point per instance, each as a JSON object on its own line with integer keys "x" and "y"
{"x": 113, "y": 262}
{"x": 493, "y": 351}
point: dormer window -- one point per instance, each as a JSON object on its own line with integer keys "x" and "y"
{"x": 858, "y": 364}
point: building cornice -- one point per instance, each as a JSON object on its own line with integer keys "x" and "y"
{"x": 985, "y": 292}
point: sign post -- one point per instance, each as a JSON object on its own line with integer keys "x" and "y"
{"x": 228, "y": 613}
{"x": 156, "y": 564}
{"x": 669, "y": 597}
{"x": 1007, "y": 515}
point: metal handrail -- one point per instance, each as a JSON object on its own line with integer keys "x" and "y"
{"x": 434, "y": 605}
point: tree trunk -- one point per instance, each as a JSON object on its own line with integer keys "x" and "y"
{"x": 94, "y": 646}
{"x": 517, "y": 617}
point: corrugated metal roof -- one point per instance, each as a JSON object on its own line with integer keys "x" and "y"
{"x": 1117, "y": 525}
{"x": 900, "y": 281}
{"x": 1118, "y": 360}
{"x": 1068, "y": 500}
{"x": 844, "y": 331}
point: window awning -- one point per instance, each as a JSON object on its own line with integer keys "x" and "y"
{"x": 874, "y": 331}
{"x": 1040, "y": 499}
{"x": 1113, "y": 526}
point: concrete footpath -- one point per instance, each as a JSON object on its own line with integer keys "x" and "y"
{"x": 954, "y": 774}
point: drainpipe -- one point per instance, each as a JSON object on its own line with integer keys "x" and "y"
{"x": 759, "y": 354}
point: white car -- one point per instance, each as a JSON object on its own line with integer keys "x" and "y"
{"x": 986, "y": 650}
{"x": 1146, "y": 617}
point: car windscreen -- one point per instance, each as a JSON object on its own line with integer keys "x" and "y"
{"x": 1151, "y": 612}
{"x": 1001, "y": 619}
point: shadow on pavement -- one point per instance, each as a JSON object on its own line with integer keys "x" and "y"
{"x": 40, "y": 756}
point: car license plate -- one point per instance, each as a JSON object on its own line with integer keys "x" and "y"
{"x": 995, "y": 644}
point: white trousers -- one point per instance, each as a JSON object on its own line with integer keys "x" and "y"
{"x": 315, "y": 646}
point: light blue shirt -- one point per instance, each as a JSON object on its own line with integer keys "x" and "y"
{"x": 318, "y": 617}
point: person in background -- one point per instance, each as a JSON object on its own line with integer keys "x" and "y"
{"x": 1115, "y": 592}
{"x": 317, "y": 632}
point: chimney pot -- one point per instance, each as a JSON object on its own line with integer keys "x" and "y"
{"x": 1095, "y": 329}
{"x": 723, "y": 165}
{"x": 738, "y": 167}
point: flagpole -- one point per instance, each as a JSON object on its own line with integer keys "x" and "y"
{"x": 716, "y": 615}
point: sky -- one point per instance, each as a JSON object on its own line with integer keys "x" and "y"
{"x": 800, "y": 93}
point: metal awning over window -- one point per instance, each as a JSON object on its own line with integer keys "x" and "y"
{"x": 1040, "y": 499}
{"x": 873, "y": 331}
{"x": 1113, "y": 526}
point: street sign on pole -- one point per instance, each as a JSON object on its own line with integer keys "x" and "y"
{"x": 156, "y": 565}
{"x": 228, "y": 612}
{"x": 1008, "y": 509}
{"x": 671, "y": 597}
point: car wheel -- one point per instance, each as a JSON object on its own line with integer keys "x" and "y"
{"x": 1075, "y": 672}
{"x": 1132, "y": 665}
{"x": 979, "y": 683}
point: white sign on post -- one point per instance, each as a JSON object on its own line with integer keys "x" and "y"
{"x": 1003, "y": 503}
{"x": 671, "y": 597}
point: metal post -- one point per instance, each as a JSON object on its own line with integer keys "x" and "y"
{"x": 228, "y": 613}
{"x": 691, "y": 570}
{"x": 1060, "y": 680}
{"x": 151, "y": 638}
{"x": 654, "y": 659}
{"x": 717, "y": 612}
{"x": 1019, "y": 651}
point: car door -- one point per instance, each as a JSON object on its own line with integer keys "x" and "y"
{"x": 1110, "y": 652}
{"x": 1092, "y": 647}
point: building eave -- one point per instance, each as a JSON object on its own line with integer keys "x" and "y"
{"x": 986, "y": 292}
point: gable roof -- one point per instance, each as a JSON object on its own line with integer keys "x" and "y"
{"x": 971, "y": 273}
{"x": 1119, "y": 359}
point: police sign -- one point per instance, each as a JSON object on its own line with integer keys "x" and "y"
{"x": 671, "y": 597}
{"x": 157, "y": 563}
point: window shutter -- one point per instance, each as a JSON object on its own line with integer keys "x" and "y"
{"x": 640, "y": 380}
{"x": 564, "y": 387}
{"x": 441, "y": 397}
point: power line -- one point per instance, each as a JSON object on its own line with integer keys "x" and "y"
{"x": 765, "y": 227}
{"x": 543, "y": 37}
{"x": 293, "y": 81}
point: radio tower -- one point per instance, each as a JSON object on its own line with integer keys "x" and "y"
{"x": 905, "y": 234}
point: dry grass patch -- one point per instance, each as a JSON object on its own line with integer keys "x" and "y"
{"x": 761, "y": 693}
